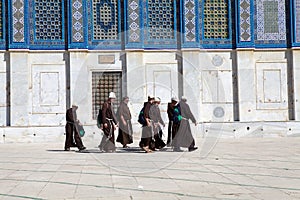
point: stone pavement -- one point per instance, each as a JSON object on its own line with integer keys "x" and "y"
{"x": 245, "y": 168}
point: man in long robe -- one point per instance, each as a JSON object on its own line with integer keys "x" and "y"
{"x": 125, "y": 126}
{"x": 157, "y": 120}
{"x": 183, "y": 136}
{"x": 109, "y": 125}
{"x": 170, "y": 111}
{"x": 147, "y": 131}
{"x": 72, "y": 130}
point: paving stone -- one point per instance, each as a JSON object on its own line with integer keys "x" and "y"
{"x": 233, "y": 170}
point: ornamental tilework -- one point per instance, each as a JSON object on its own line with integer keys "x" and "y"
{"x": 1, "y": 21}
{"x": 77, "y": 21}
{"x": 105, "y": 19}
{"x": 245, "y": 23}
{"x": 297, "y": 20}
{"x": 160, "y": 15}
{"x": 189, "y": 21}
{"x": 133, "y": 21}
{"x": 18, "y": 20}
{"x": 271, "y": 21}
{"x": 48, "y": 19}
{"x": 216, "y": 24}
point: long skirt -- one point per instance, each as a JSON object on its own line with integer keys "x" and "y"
{"x": 183, "y": 135}
{"x": 146, "y": 136}
{"x": 125, "y": 134}
{"x": 72, "y": 140}
{"x": 108, "y": 140}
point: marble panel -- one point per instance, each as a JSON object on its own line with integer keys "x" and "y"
{"x": 296, "y": 67}
{"x": 209, "y": 86}
{"x": 48, "y": 93}
{"x": 271, "y": 85}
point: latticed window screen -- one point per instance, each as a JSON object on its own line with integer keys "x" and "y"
{"x": 161, "y": 19}
{"x": 48, "y": 19}
{"x": 1, "y": 20}
{"x": 105, "y": 19}
{"x": 102, "y": 84}
{"x": 271, "y": 17}
{"x": 216, "y": 19}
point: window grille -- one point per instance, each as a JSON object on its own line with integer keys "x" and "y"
{"x": 102, "y": 84}
{"x": 216, "y": 19}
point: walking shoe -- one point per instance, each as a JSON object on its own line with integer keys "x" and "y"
{"x": 73, "y": 145}
{"x": 109, "y": 150}
{"x": 67, "y": 149}
{"x": 147, "y": 150}
{"x": 177, "y": 149}
{"x": 193, "y": 149}
{"x": 82, "y": 148}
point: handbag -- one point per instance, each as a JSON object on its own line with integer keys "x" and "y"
{"x": 81, "y": 131}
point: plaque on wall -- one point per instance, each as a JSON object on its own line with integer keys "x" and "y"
{"x": 106, "y": 59}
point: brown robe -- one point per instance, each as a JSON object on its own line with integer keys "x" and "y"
{"x": 183, "y": 135}
{"x": 71, "y": 127}
{"x": 108, "y": 116}
{"x": 146, "y": 130}
{"x": 125, "y": 131}
{"x": 155, "y": 116}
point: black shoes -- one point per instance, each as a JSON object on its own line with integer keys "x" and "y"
{"x": 193, "y": 149}
{"x": 82, "y": 148}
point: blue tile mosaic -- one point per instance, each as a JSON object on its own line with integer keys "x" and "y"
{"x": 104, "y": 22}
{"x": 270, "y": 22}
{"x": 297, "y": 24}
{"x": 18, "y": 16}
{"x": 215, "y": 27}
{"x": 160, "y": 24}
{"x": 46, "y": 24}
{"x": 245, "y": 21}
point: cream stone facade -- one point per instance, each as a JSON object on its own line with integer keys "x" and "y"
{"x": 240, "y": 70}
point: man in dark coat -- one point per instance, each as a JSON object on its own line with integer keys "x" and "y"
{"x": 125, "y": 126}
{"x": 71, "y": 127}
{"x": 147, "y": 128}
{"x": 109, "y": 125}
{"x": 170, "y": 111}
{"x": 183, "y": 136}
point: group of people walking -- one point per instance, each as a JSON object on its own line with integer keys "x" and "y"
{"x": 179, "y": 130}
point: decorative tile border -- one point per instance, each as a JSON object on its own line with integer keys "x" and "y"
{"x": 18, "y": 20}
{"x": 133, "y": 18}
{"x": 245, "y": 21}
{"x": 77, "y": 21}
{"x": 189, "y": 21}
